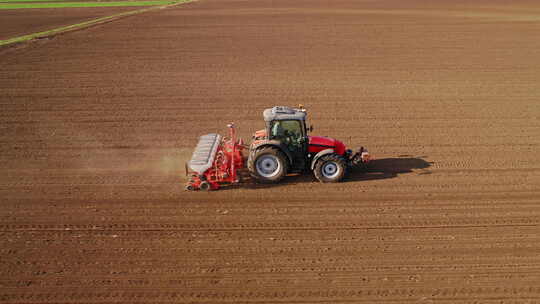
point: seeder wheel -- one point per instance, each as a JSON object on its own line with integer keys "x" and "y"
{"x": 205, "y": 186}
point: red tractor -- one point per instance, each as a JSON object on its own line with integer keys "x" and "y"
{"x": 281, "y": 148}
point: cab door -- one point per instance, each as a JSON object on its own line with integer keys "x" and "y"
{"x": 292, "y": 134}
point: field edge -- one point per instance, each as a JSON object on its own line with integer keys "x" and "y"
{"x": 86, "y": 24}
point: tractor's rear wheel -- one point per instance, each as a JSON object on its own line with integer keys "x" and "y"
{"x": 330, "y": 168}
{"x": 268, "y": 165}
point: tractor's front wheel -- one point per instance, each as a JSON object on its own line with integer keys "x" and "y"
{"x": 330, "y": 168}
{"x": 268, "y": 165}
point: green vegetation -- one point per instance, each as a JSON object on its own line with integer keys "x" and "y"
{"x": 157, "y": 5}
{"x": 82, "y": 4}
{"x": 15, "y": 1}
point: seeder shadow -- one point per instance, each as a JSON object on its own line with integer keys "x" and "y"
{"x": 383, "y": 168}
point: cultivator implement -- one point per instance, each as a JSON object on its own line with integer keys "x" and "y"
{"x": 215, "y": 161}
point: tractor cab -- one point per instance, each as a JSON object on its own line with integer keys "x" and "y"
{"x": 285, "y": 134}
{"x": 288, "y": 127}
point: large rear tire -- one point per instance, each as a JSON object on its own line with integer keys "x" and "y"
{"x": 330, "y": 168}
{"x": 268, "y": 165}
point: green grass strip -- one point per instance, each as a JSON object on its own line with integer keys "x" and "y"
{"x": 83, "y": 24}
{"x": 16, "y": 1}
{"x": 81, "y": 4}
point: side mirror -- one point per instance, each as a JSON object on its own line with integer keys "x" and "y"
{"x": 310, "y": 128}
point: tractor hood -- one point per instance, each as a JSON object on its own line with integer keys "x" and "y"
{"x": 319, "y": 143}
{"x": 316, "y": 143}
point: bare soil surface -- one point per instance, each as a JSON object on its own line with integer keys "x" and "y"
{"x": 96, "y": 125}
{"x": 18, "y": 22}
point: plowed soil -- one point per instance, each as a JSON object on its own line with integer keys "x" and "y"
{"x": 96, "y": 125}
{"x": 20, "y": 22}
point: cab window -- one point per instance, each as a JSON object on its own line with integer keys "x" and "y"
{"x": 286, "y": 128}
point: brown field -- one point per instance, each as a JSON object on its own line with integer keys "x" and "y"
{"x": 96, "y": 124}
{"x": 20, "y": 22}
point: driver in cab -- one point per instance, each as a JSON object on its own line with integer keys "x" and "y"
{"x": 287, "y": 131}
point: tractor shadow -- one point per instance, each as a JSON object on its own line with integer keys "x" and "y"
{"x": 389, "y": 168}
{"x": 383, "y": 168}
